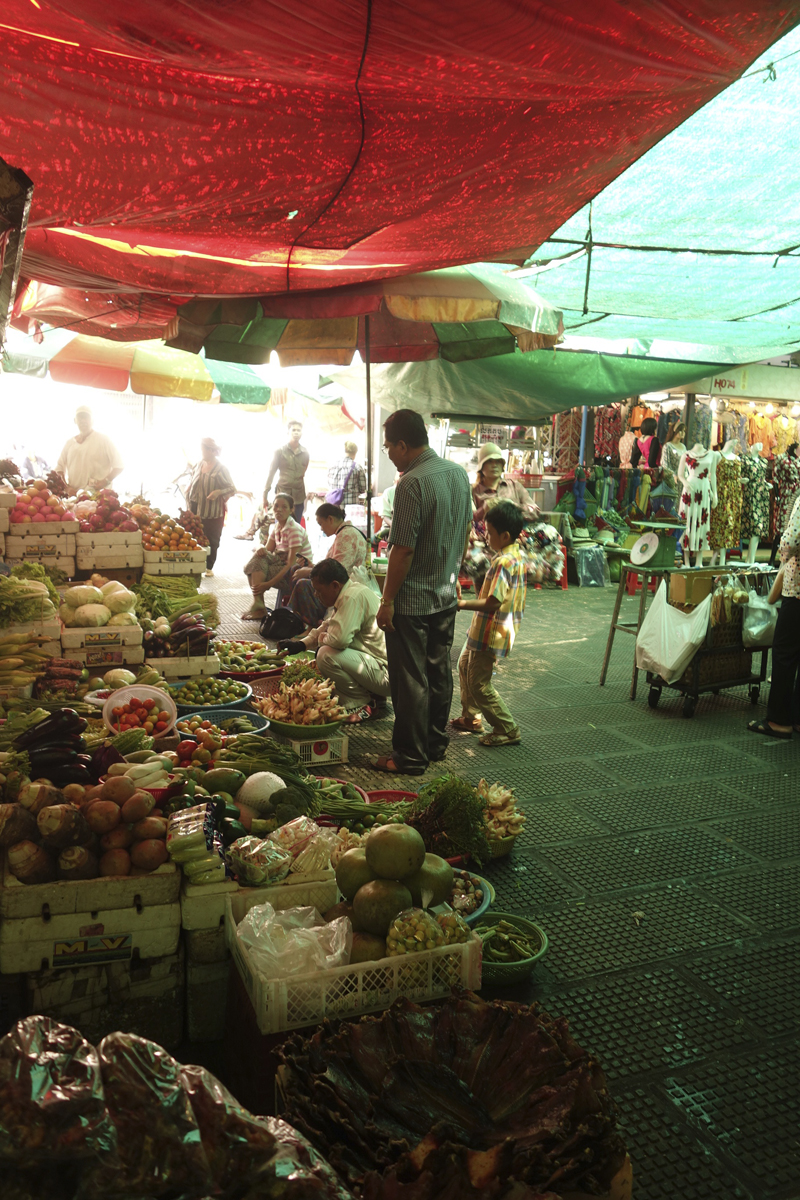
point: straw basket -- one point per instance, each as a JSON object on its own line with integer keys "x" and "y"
{"x": 502, "y": 847}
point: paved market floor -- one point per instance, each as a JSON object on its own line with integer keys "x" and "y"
{"x": 662, "y": 857}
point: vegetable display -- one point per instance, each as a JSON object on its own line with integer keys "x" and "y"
{"x": 467, "y": 893}
{"x": 506, "y": 943}
{"x": 22, "y": 659}
{"x": 165, "y": 533}
{"x": 187, "y": 636}
{"x": 311, "y": 702}
{"x": 248, "y": 658}
{"x": 210, "y": 691}
{"x": 103, "y": 513}
{"x": 147, "y": 714}
{"x": 503, "y": 818}
{"x": 449, "y": 814}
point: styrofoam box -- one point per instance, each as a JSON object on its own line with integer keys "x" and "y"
{"x": 175, "y": 557}
{"x": 52, "y": 648}
{"x": 108, "y": 656}
{"x": 180, "y": 668}
{"x": 2, "y": 542}
{"x": 332, "y": 750}
{"x": 19, "y": 693}
{"x": 51, "y": 628}
{"x": 108, "y": 560}
{"x": 38, "y": 545}
{"x": 300, "y": 1000}
{"x": 5, "y": 523}
{"x": 108, "y": 541}
{"x": 47, "y": 529}
{"x": 117, "y": 635}
{"x": 19, "y": 900}
{"x": 203, "y": 905}
{"x": 179, "y": 568}
{"x": 8, "y": 499}
{"x": 204, "y": 946}
{"x": 67, "y": 565}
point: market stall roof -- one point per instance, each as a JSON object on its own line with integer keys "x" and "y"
{"x": 519, "y": 387}
{"x": 149, "y": 368}
{"x": 699, "y": 241}
{"x": 195, "y": 148}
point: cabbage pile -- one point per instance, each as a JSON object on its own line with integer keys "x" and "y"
{"x": 88, "y": 607}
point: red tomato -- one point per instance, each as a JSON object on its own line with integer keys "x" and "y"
{"x": 134, "y": 721}
{"x": 148, "y": 703}
{"x": 117, "y": 712}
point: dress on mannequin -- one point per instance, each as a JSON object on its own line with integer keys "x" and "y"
{"x": 726, "y": 518}
{"x": 755, "y": 497}
{"x": 698, "y": 477}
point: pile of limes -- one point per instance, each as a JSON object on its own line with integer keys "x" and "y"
{"x": 210, "y": 690}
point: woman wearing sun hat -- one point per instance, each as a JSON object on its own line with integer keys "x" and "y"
{"x": 210, "y": 488}
{"x": 492, "y": 483}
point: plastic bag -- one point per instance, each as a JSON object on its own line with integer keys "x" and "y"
{"x": 52, "y": 1108}
{"x": 669, "y": 639}
{"x": 295, "y": 941}
{"x": 363, "y": 574}
{"x": 316, "y": 854}
{"x": 295, "y": 835}
{"x": 256, "y": 860}
{"x": 592, "y": 566}
{"x": 760, "y": 619}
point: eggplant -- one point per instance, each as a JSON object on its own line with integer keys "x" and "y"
{"x": 185, "y": 621}
{"x": 65, "y": 721}
{"x": 72, "y": 773}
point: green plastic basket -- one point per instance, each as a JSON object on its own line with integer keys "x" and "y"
{"x": 502, "y": 973}
{"x": 305, "y": 733}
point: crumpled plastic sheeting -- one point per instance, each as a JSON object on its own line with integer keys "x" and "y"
{"x": 195, "y": 148}
{"x": 295, "y": 941}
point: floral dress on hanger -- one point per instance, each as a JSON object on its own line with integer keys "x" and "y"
{"x": 755, "y": 501}
{"x": 698, "y": 495}
{"x": 726, "y": 518}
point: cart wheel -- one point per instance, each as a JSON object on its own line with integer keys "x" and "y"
{"x": 755, "y": 692}
{"x": 654, "y": 696}
{"x": 689, "y": 703}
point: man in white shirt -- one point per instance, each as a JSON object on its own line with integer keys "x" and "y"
{"x": 351, "y": 649}
{"x": 90, "y": 459}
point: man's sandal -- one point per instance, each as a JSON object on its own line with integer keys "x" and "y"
{"x": 765, "y": 728}
{"x": 500, "y": 739}
{"x": 383, "y": 764}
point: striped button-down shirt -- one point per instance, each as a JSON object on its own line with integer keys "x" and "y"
{"x": 218, "y": 479}
{"x": 432, "y": 514}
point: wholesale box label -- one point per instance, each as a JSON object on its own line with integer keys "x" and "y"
{"x": 85, "y": 951}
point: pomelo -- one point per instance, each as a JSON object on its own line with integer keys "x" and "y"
{"x": 432, "y": 883}
{"x": 394, "y": 851}
{"x": 376, "y": 904}
{"x": 352, "y": 872}
{"x": 367, "y": 948}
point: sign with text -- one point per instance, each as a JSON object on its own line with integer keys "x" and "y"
{"x": 86, "y": 951}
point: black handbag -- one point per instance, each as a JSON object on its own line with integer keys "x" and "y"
{"x": 280, "y": 624}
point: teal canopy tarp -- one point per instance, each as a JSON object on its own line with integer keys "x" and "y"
{"x": 519, "y": 387}
{"x": 698, "y": 242}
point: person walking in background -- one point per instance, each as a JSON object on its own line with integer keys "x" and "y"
{"x": 90, "y": 459}
{"x": 210, "y": 488}
{"x": 290, "y": 463}
{"x": 346, "y": 479}
{"x": 498, "y": 612}
{"x": 273, "y": 565}
{"x": 430, "y": 525}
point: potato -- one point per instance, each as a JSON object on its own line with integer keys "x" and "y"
{"x": 138, "y": 807}
{"x": 149, "y": 854}
{"x": 36, "y": 796}
{"x": 150, "y": 827}
{"x": 60, "y": 825}
{"x": 102, "y": 816}
{"x": 75, "y": 793}
{"x": 118, "y": 839}
{"x": 156, "y": 812}
{"x": 17, "y": 824}
{"x": 30, "y": 863}
{"x": 115, "y": 862}
{"x": 76, "y": 862}
{"x": 118, "y": 788}
{"x": 92, "y": 793}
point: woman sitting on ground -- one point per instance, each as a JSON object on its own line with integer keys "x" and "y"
{"x": 349, "y": 547}
{"x": 276, "y": 564}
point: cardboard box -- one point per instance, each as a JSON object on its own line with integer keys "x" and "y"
{"x": 691, "y": 587}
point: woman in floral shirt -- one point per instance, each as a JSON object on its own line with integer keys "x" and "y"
{"x": 783, "y": 706}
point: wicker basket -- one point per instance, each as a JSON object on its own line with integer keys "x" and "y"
{"x": 266, "y": 686}
{"x": 502, "y": 847}
{"x": 502, "y": 973}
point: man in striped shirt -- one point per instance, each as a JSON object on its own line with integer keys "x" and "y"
{"x": 430, "y": 528}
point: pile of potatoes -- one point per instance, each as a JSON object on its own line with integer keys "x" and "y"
{"x": 112, "y": 829}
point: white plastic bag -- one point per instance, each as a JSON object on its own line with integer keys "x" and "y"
{"x": 295, "y": 941}
{"x": 758, "y": 624}
{"x": 669, "y": 638}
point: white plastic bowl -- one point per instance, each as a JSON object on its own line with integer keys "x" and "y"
{"x": 141, "y": 692}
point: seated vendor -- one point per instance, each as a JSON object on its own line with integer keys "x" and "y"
{"x": 275, "y": 565}
{"x": 351, "y": 649}
{"x": 349, "y": 547}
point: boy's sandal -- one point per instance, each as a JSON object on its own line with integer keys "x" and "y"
{"x": 466, "y": 725}
{"x": 765, "y": 728}
{"x": 501, "y": 739}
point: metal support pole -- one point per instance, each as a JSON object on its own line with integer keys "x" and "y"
{"x": 369, "y": 430}
{"x": 584, "y": 420}
{"x": 688, "y": 418}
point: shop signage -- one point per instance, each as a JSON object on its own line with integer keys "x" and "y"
{"x": 755, "y": 382}
{"x": 105, "y": 637}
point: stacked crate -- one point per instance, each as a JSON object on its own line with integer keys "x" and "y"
{"x": 120, "y": 646}
{"x": 109, "y": 551}
{"x": 52, "y": 545}
{"x": 8, "y": 501}
{"x": 175, "y": 562}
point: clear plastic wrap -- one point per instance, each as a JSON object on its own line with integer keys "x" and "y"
{"x": 296, "y": 941}
{"x": 52, "y": 1108}
{"x": 316, "y": 854}
{"x": 295, "y": 835}
{"x": 186, "y": 835}
{"x": 257, "y": 861}
{"x": 412, "y": 931}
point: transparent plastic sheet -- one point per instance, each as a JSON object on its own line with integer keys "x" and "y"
{"x": 52, "y": 1108}
{"x": 256, "y": 861}
{"x": 295, "y": 941}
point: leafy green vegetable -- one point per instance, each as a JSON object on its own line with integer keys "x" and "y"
{"x": 23, "y": 600}
{"x": 34, "y": 570}
{"x": 150, "y": 600}
{"x": 449, "y": 814}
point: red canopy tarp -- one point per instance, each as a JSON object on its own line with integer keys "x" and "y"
{"x": 208, "y": 148}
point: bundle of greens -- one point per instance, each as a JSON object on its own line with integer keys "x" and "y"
{"x": 34, "y": 570}
{"x": 173, "y": 585}
{"x": 151, "y": 601}
{"x": 450, "y": 816}
{"x": 23, "y": 600}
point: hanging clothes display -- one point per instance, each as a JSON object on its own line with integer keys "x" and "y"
{"x": 638, "y": 414}
{"x": 782, "y": 435}
{"x": 760, "y": 430}
{"x": 698, "y": 495}
{"x": 671, "y": 457}
{"x": 701, "y": 426}
{"x": 787, "y": 482}
{"x": 726, "y": 519}
{"x": 626, "y": 444}
{"x": 607, "y": 430}
{"x": 755, "y": 497}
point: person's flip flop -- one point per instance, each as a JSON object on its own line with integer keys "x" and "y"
{"x": 500, "y": 739}
{"x": 466, "y": 726}
{"x": 382, "y": 764}
{"x": 765, "y": 728}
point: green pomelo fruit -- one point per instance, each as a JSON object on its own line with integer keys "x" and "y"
{"x": 353, "y": 872}
{"x": 376, "y": 905}
{"x": 394, "y": 851}
{"x": 367, "y": 948}
{"x": 432, "y": 883}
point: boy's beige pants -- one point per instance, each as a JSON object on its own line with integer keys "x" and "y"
{"x": 479, "y": 695}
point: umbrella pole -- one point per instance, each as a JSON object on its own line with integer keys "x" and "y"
{"x": 369, "y": 431}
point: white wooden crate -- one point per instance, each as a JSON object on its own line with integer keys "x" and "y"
{"x": 36, "y": 545}
{"x": 67, "y": 565}
{"x": 117, "y": 635}
{"x": 301, "y": 1000}
{"x": 185, "y": 668}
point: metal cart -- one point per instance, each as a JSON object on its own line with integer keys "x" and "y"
{"x": 723, "y": 661}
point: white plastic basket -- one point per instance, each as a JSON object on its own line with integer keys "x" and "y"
{"x": 281, "y": 1004}
{"x": 324, "y": 750}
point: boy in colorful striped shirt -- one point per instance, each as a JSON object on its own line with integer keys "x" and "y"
{"x": 498, "y": 612}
